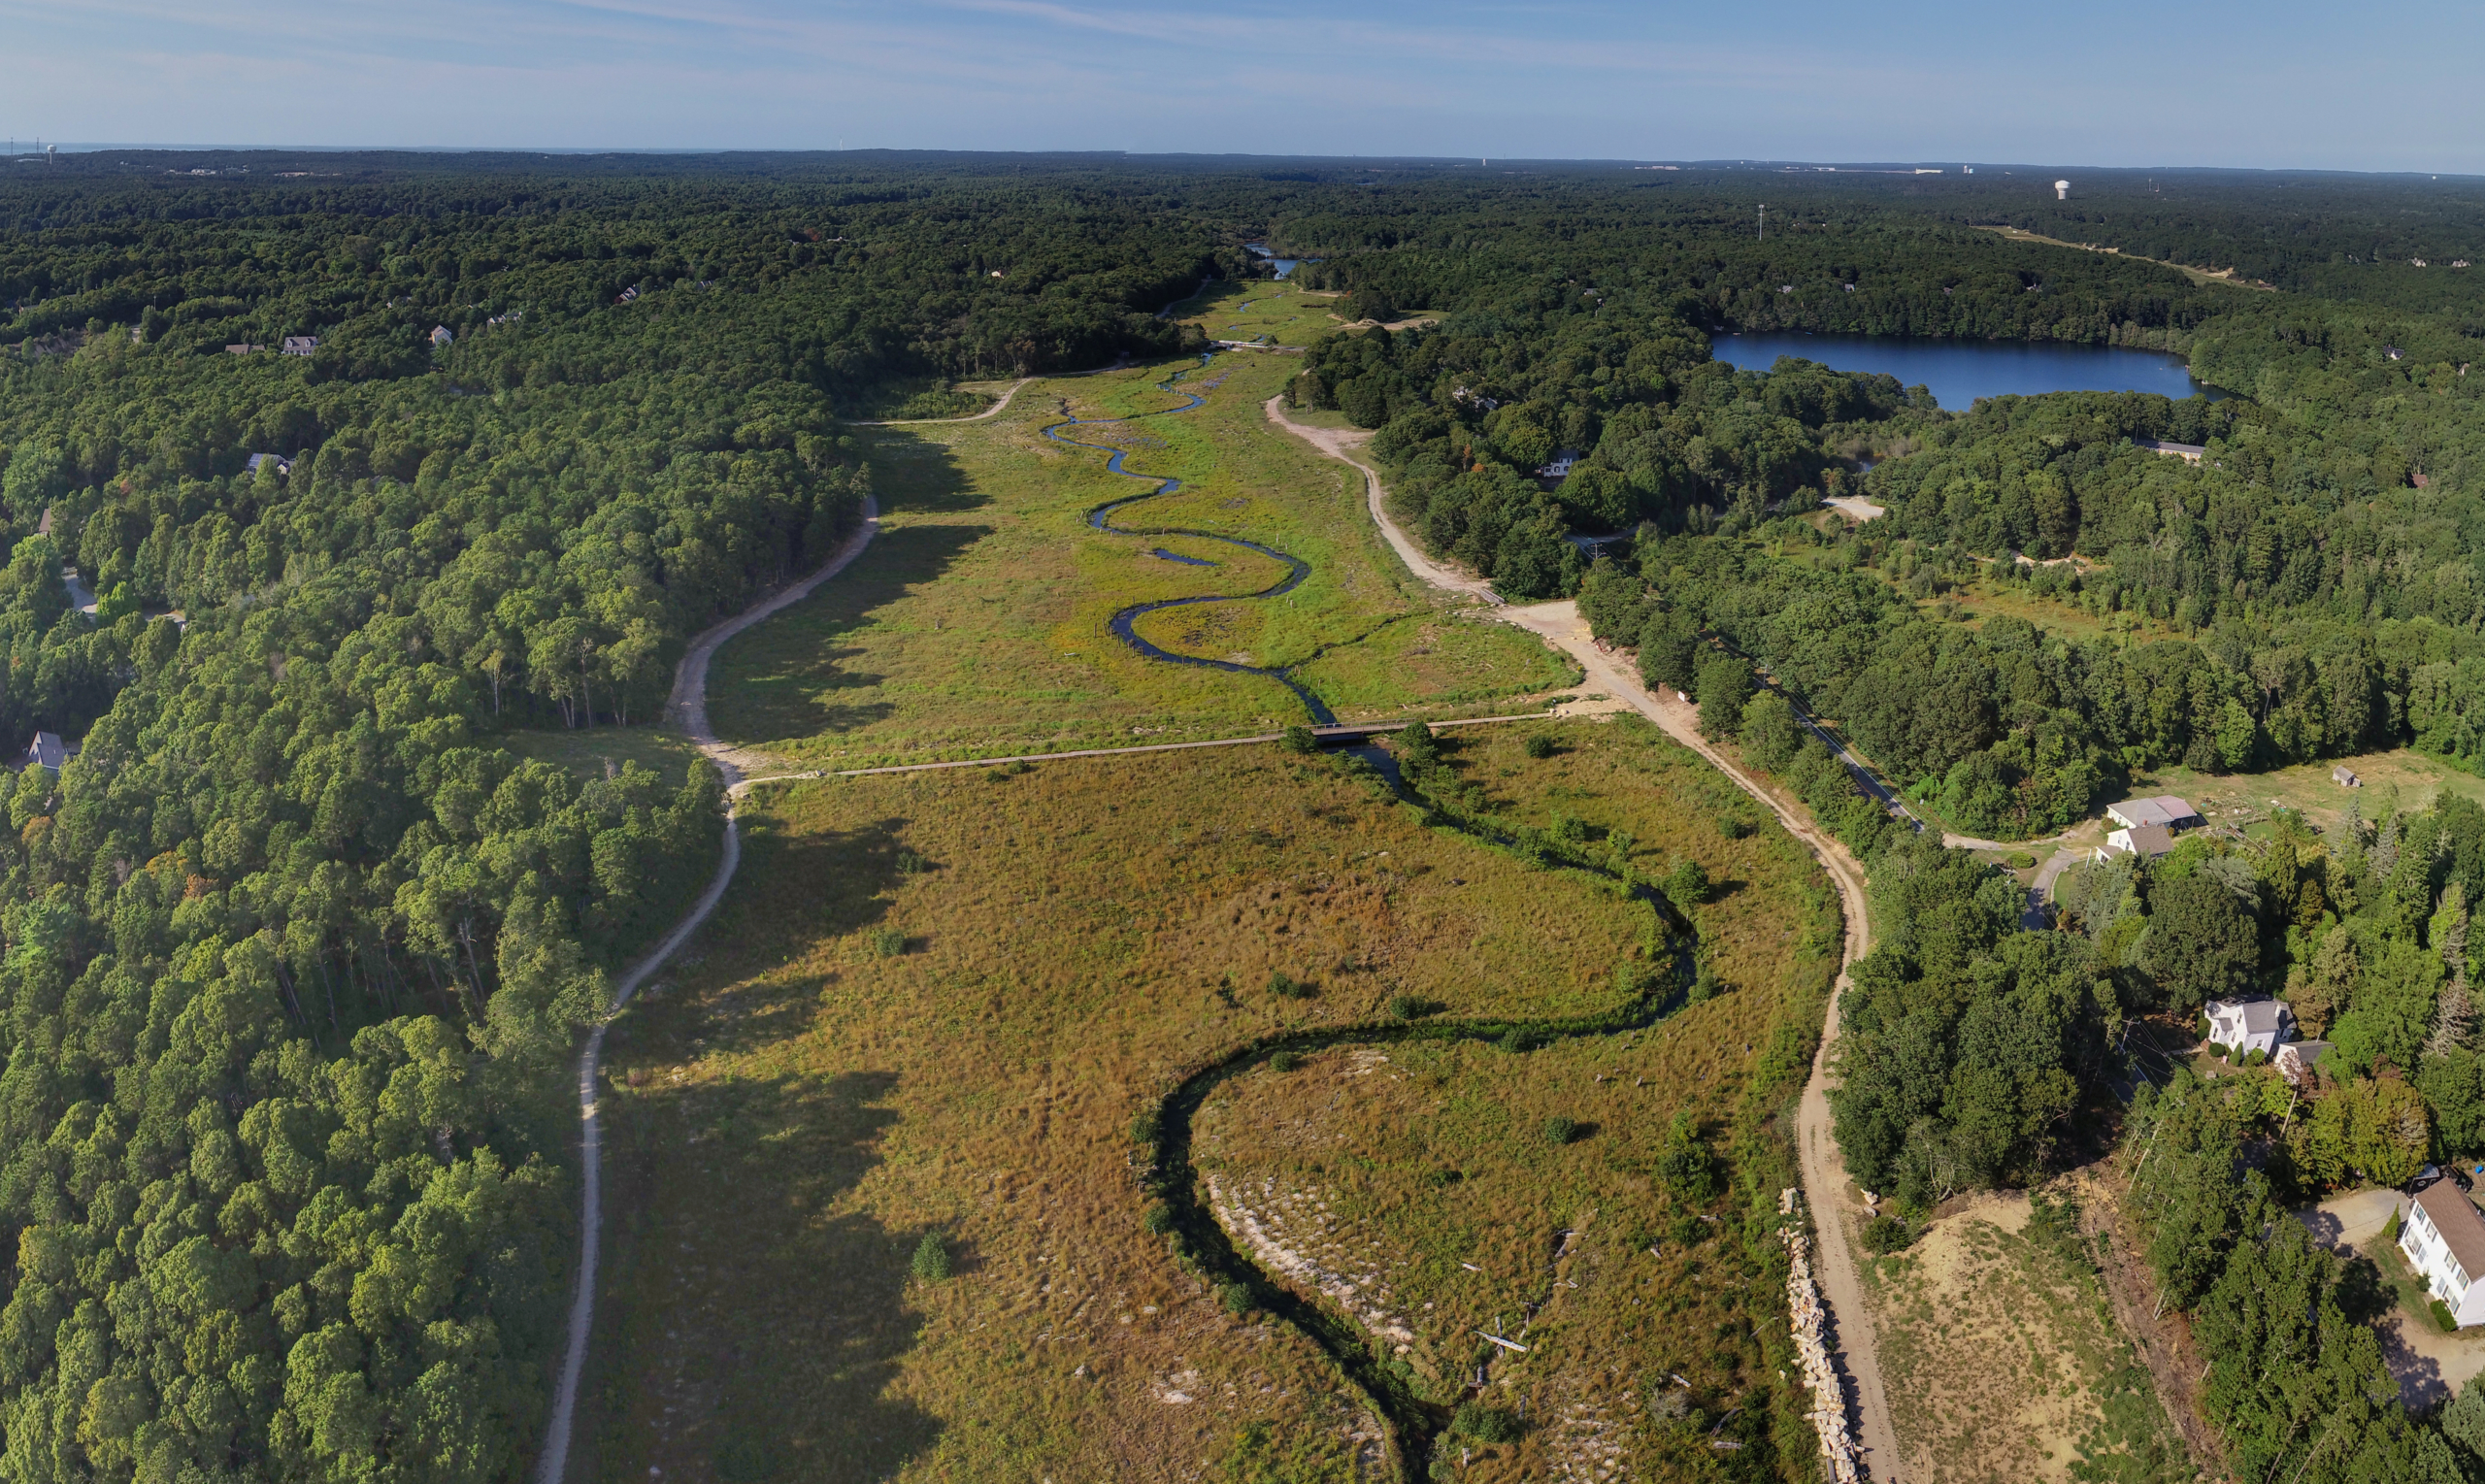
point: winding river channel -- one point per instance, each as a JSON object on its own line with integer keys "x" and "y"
{"x": 1414, "y": 1422}
{"x": 1101, "y": 517}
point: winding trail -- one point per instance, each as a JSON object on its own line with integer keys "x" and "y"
{"x": 1824, "y": 1169}
{"x": 688, "y": 705}
{"x": 1123, "y": 621}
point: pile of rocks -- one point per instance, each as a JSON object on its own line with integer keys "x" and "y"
{"x": 1820, "y": 1377}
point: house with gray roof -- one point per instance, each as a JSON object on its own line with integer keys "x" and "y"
{"x": 2164, "y": 811}
{"x": 2148, "y": 842}
{"x": 2443, "y": 1236}
{"x": 47, "y": 750}
{"x": 2300, "y": 1061}
{"x": 2246, "y": 1026}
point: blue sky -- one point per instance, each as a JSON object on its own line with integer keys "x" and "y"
{"x": 2119, "y": 83}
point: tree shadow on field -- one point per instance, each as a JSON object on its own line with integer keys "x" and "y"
{"x": 794, "y": 672}
{"x": 780, "y": 1373}
{"x": 848, "y": 873}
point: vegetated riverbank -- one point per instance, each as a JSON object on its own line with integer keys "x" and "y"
{"x": 982, "y": 624}
{"x": 1071, "y": 942}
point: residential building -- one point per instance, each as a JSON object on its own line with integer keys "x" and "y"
{"x": 2300, "y": 1061}
{"x": 2188, "y": 453}
{"x": 299, "y": 344}
{"x": 2245, "y": 1026}
{"x": 283, "y": 465}
{"x": 2148, "y": 842}
{"x": 1560, "y": 468}
{"x": 440, "y": 336}
{"x": 2172, "y": 815}
{"x": 47, "y": 750}
{"x": 2444, "y": 1237}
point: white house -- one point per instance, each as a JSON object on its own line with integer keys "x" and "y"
{"x": 2164, "y": 812}
{"x": 1560, "y": 468}
{"x": 2246, "y": 1026}
{"x": 2444, "y": 1239}
{"x": 2148, "y": 842}
{"x": 441, "y": 335}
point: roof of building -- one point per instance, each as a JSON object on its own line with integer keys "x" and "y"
{"x": 2457, "y": 1218}
{"x": 2148, "y": 842}
{"x": 2159, "y": 810}
{"x": 2187, "y": 450}
{"x": 2307, "y": 1053}
{"x": 2259, "y": 1017}
{"x": 47, "y": 749}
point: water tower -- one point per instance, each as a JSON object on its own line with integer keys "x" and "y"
{"x": 2062, "y": 190}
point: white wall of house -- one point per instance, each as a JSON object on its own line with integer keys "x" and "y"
{"x": 2430, "y": 1256}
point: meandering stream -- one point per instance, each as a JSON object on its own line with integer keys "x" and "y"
{"x": 1414, "y": 1423}
{"x": 1101, "y": 517}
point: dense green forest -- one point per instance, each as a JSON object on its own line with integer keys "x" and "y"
{"x": 293, "y": 946}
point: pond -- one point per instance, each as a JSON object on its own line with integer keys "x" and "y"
{"x": 1958, "y": 372}
{"x": 1284, "y": 265}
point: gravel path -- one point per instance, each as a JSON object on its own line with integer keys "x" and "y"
{"x": 1824, "y": 1182}
{"x": 689, "y": 707}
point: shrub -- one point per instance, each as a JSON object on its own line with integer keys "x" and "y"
{"x": 1236, "y": 1297}
{"x": 2255, "y": 1057}
{"x": 910, "y": 864}
{"x": 1687, "y": 1167}
{"x": 1286, "y": 987}
{"x": 2390, "y": 1227}
{"x": 890, "y": 942}
{"x": 2217, "y": 1048}
{"x": 1416, "y": 745}
{"x": 1887, "y": 1233}
{"x": 1485, "y": 1423}
{"x": 1159, "y": 1220}
{"x": 1735, "y": 826}
{"x": 1285, "y": 1061}
{"x": 2442, "y": 1317}
{"x": 1301, "y": 739}
{"x": 1688, "y": 884}
{"x": 931, "y": 1262}
{"x": 1516, "y": 1040}
{"x": 1142, "y": 1126}
{"x": 1570, "y": 831}
{"x": 1542, "y": 745}
{"x": 1561, "y": 1130}
{"x": 1411, "y": 1007}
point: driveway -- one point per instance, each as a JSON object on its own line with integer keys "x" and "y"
{"x": 2429, "y": 1365}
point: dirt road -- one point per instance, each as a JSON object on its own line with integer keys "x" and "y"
{"x": 1825, "y": 1183}
{"x": 688, "y": 705}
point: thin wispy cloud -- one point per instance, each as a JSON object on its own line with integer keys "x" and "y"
{"x": 1582, "y": 79}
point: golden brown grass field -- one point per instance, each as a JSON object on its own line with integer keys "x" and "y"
{"x": 2002, "y": 1362}
{"x": 936, "y": 1003}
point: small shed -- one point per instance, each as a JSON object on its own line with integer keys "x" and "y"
{"x": 2346, "y": 776}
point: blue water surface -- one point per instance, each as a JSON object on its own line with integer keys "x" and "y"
{"x": 1959, "y": 371}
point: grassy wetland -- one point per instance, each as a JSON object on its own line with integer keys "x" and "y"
{"x": 978, "y": 623}
{"x": 938, "y": 1006}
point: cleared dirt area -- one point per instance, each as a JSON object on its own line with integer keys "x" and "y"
{"x": 2003, "y": 1359}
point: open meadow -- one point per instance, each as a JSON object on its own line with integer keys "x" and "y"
{"x": 2003, "y": 1359}
{"x": 1268, "y": 311}
{"x": 977, "y": 623}
{"x": 938, "y": 1003}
